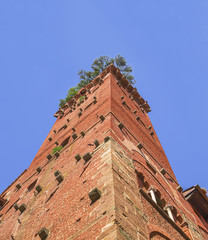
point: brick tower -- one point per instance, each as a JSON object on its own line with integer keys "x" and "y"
{"x": 109, "y": 178}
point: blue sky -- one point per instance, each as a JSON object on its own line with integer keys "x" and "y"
{"x": 43, "y": 44}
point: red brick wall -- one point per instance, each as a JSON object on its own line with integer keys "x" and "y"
{"x": 122, "y": 212}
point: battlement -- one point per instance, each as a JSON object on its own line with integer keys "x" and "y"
{"x": 121, "y": 81}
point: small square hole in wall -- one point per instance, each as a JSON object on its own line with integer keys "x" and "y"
{"x": 18, "y": 186}
{"x": 94, "y": 195}
{"x": 22, "y": 208}
{"x": 43, "y": 233}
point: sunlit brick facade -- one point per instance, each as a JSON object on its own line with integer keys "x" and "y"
{"x": 111, "y": 179}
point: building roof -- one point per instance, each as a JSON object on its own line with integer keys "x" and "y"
{"x": 198, "y": 199}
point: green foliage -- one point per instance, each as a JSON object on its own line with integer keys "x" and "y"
{"x": 56, "y": 149}
{"x": 96, "y": 68}
{"x": 81, "y": 98}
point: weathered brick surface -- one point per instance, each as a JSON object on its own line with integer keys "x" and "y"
{"x": 117, "y": 168}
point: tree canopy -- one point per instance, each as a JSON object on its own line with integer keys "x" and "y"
{"x": 97, "y": 67}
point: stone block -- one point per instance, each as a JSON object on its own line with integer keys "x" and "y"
{"x": 94, "y": 194}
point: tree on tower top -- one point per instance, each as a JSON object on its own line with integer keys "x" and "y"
{"x": 96, "y": 68}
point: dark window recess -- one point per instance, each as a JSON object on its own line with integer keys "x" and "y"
{"x": 160, "y": 201}
{"x": 2, "y": 202}
{"x": 32, "y": 185}
{"x": 65, "y": 142}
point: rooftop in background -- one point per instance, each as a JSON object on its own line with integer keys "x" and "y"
{"x": 198, "y": 199}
